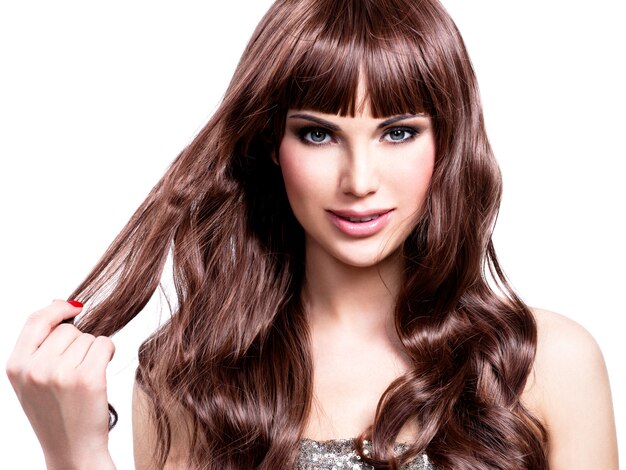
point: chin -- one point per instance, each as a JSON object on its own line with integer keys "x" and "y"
{"x": 358, "y": 259}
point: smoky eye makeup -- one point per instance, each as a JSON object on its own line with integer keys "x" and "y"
{"x": 314, "y": 135}
{"x": 400, "y": 134}
{"x": 316, "y": 131}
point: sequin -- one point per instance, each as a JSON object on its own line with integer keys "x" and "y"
{"x": 340, "y": 454}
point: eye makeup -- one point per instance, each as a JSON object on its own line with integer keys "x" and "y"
{"x": 317, "y": 136}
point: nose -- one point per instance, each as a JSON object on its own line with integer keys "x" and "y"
{"x": 360, "y": 173}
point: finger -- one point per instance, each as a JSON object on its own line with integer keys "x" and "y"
{"x": 40, "y": 324}
{"x": 99, "y": 355}
{"x": 57, "y": 341}
{"x": 75, "y": 353}
{"x": 46, "y": 369}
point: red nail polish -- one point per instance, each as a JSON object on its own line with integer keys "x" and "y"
{"x": 75, "y": 303}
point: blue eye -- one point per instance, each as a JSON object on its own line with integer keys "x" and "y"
{"x": 315, "y": 136}
{"x": 400, "y": 134}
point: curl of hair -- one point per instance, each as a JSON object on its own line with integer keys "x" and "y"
{"x": 235, "y": 355}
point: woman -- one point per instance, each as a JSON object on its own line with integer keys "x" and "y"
{"x": 330, "y": 229}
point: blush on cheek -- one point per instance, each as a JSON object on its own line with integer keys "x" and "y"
{"x": 414, "y": 177}
{"x": 294, "y": 175}
{"x": 301, "y": 169}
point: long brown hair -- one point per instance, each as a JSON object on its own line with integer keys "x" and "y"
{"x": 235, "y": 355}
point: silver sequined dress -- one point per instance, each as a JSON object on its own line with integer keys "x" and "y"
{"x": 340, "y": 454}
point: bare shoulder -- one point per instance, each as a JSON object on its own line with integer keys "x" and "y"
{"x": 562, "y": 341}
{"x": 145, "y": 435}
{"x": 567, "y": 359}
{"x": 569, "y": 390}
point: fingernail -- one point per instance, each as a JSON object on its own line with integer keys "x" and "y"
{"x": 75, "y": 303}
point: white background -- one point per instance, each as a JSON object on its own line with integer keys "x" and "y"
{"x": 96, "y": 98}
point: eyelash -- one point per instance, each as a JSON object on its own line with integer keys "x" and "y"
{"x": 411, "y": 131}
{"x": 302, "y": 134}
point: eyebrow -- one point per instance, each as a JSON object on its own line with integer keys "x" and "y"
{"x": 334, "y": 127}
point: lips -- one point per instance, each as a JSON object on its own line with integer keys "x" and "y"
{"x": 360, "y": 223}
{"x": 361, "y": 219}
{"x": 360, "y": 215}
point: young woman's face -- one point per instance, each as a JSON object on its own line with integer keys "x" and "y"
{"x": 357, "y": 185}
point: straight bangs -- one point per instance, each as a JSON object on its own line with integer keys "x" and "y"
{"x": 337, "y": 70}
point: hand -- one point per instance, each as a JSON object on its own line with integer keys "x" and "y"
{"x": 59, "y": 376}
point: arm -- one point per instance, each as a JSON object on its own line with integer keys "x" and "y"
{"x": 59, "y": 376}
{"x": 569, "y": 390}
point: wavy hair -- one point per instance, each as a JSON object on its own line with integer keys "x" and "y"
{"x": 234, "y": 356}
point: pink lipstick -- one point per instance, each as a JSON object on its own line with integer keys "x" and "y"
{"x": 360, "y": 224}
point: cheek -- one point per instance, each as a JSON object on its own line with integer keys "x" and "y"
{"x": 301, "y": 174}
{"x": 412, "y": 179}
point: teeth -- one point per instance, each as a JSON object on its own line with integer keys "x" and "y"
{"x": 364, "y": 219}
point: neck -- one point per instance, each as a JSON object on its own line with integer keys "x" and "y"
{"x": 361, "y": 299}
